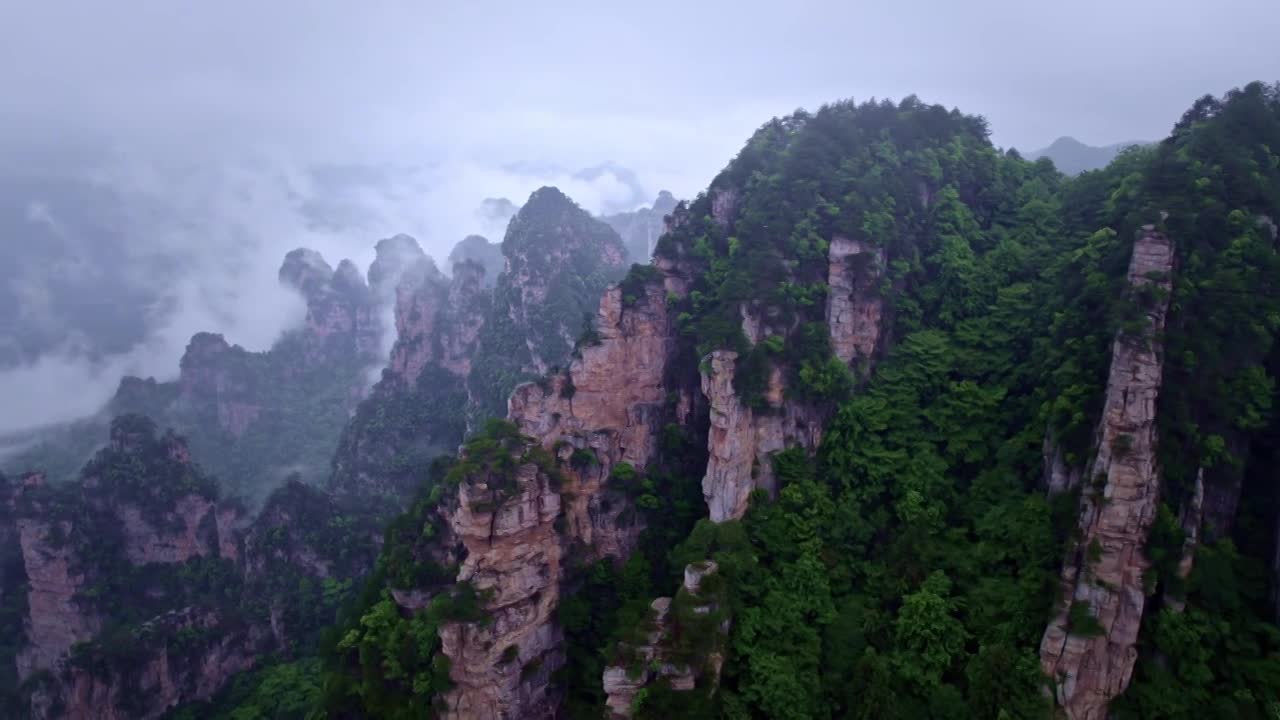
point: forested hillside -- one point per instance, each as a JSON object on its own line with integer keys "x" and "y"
{"x": 894, "y": 424}
{"x": 910, "y": 347}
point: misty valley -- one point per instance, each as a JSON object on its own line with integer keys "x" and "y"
{"x": 885, "y": 420}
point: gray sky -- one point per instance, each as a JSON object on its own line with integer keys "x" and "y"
{"x": 671, "y": 88}
{"x": 213, "y": 110}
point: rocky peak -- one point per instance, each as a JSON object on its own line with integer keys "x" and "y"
{"x": 559, "y": 260}
{"x": 393, "y": 257}
{"x": 477, "y": 249}
{"x": 664, "y": 203}
{"x": 348, "y": 280}
{"x": 305, "y": 270}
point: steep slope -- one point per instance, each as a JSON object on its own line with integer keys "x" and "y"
{"x": 417, "y": 410}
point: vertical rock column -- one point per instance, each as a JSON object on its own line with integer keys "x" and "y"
{"x": 1091, "y": 660}
{"x": 607, "y": 406}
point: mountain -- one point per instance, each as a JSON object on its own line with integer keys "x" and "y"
{"x": 144, "y": 589}
{"x": 254, "y": 419}
{"x": 229, "y": 591}
{"x": 558, "y": 261}
{"x": 463, "y": 344}
{"x": 895, "y": 425}
{"x": 478, "y": 249}
{"x": 1073, "y": 157}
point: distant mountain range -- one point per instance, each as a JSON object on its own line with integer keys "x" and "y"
{"x": 1073, "y": 157}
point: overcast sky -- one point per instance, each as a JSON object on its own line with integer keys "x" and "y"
{"x": 667, "y": 87}
{"x": 216, "y": 109}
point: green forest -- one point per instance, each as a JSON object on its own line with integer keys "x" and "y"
{"x": 908, "y": 567}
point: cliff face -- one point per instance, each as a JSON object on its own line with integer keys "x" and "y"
{"x": 605, "y": 410}
{"x": 742, "y": 441}
{"x": 513, "y": 551}
{"x": 1091, "y": 660}
{"x": 438, "y": 320}
{"x": 341, "y": 319}
{"x": 141, "y": 583}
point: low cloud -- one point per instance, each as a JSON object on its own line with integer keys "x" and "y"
{"x": 203, "y": 243}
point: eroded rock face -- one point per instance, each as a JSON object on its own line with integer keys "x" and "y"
{"x": 55, "y": 618}
{"x": 854, "y": 304}
{"x": 1118, "y": 505}
{"x": 438, "y": 322}
{"x": 742, "y": 441}
{"x": 141, "y": 503}
{"x": 513, "y": 551}
{"x": 341, "y": 317}
{"x": 608, "y": 407}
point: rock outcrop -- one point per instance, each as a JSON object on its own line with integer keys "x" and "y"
{"x": 501, "y": 668}
{"x": 854, "y": 304}
{"x": 117, "y": 565}
{"x": 654, "y": 659}
{"x": 1089, "y": 647}
{"x": 742, "y": 440}
{"x": 341, "y": 320}
{"x": 606, "y": 409}
{"x": 438, "y": 320}
{"x": 423, "y": 388}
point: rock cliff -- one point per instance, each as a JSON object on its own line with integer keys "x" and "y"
{"x": 854, "y": 304}
{"x": 141, "y": 584}
{"x": 1089, "y": 647}
{"x": 606, "y": 409}
{"x": 417, "y": 409}
{"x": 742, "y": 441}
